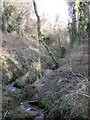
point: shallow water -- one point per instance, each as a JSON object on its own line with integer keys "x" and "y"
{"x": 26, "y": 106}
{"x": 47, "y": 71}
{"x": 12, "y": 88}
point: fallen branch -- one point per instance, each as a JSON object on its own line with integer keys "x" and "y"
{"x": 84, "y": 95}
{"x": 5, "y": 114}
{"x": 78, "y": 74}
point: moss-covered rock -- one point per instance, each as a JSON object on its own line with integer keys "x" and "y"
{"x": 29, "y": 78}
{"x": 20, "y": 114}
{"x": 10, "y": 70}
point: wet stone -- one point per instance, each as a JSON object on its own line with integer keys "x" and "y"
{"x": 39, "y": 118}
{"x": 12, "y": 88}
{"x": 27, "y": 109}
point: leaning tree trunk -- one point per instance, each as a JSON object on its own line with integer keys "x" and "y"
{"x": 40, "y": 37}
{"x": 88, "y": 57}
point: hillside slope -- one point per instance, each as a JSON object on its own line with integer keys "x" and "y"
{"x": 17, "y": 54}
{"x": 64, "y": 92}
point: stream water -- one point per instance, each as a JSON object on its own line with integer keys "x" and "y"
{"x": 12, "y": 88}
{"x": 28, "y": 106}
{"x": 25, "y": 105}
{"x": 32, "y": 109}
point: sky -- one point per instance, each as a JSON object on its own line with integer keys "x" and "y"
{"x": 52, "y": 8}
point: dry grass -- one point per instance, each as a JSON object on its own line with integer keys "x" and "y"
{"x": 67, "y": 85}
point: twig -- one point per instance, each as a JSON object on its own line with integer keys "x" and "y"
{"x": 72, "y": 71}
{"x": 5, "y": 114}
{"x": 78, "y": 74}
{"x": 84, "y": 95}
{"x": 83, "y": 77}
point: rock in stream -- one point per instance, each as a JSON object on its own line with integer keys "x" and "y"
{"x": 24, "y": 110}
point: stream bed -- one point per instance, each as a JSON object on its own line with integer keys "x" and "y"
{"x": 23, "y": 106}
{"x": 26, "y": 105}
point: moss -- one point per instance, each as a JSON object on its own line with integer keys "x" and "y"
{"x": 18, "y": 114}
{"x": 28, "y": 78}
{"x": 11, "y": 70}
{"x": 19, "y": 83}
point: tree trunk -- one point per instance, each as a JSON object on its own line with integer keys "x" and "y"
{"x": 77, "y": 15}
{"x": 40, "y": 38}
{"x": 88, "y": 59}
{"x": 74, "y": 29}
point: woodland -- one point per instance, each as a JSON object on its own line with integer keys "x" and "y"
{"x": 43, "y": 66}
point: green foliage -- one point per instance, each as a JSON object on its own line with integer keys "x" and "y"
{"x": 63, "y": 52}
{"x": 73, "y": 35}
{"x": 18, "y": 113}
{"x": 10, "y": 28}
{"x": 11, "y": 69}
{"x": 7, "y": 17}
{"x": 50, "y": 105}
{"x": 83, "y": 10}
{"x": 12, "y": 18}
{"x": 61, "y": 108}
{"x": 79, "y": 34}
{"x": 19, "y": 83}
{"x": 47, "y": 40}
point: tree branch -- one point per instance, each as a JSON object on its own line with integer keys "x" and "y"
{"x": 40, "y": 38}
